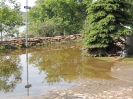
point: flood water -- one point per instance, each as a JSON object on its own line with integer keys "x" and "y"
{"x": 46, "y": 68}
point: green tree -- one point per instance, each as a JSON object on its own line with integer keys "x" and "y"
{"x": 72, "y": 13}
{"x": 106, "y": 20}
{"x": 10, "y": 16}
{"x": 67, "y": 16}
{"x": 131, "y": 9}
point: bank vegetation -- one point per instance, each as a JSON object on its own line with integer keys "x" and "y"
{"x": 104, "y": 24}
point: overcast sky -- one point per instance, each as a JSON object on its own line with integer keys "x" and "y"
{"x": 23, "y": 3}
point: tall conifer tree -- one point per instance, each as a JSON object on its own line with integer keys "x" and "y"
{"x": 107, "y": 20}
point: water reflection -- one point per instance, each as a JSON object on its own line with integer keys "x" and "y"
{"x": 67, "y": 64}
{"x": 46, "y": 68}
{"x": 28, "y": 85}
{"x": 10, "y": 73}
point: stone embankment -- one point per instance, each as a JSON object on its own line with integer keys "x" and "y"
{"x": 21, "y": 42}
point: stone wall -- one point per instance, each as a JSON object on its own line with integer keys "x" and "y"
{"x": 21, "y": 42}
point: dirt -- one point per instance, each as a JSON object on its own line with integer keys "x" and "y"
{"x": 120, "y": 87}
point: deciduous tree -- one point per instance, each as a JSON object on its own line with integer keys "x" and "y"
{"x": 9, "y": 16}
{"x": 67, "y": 15}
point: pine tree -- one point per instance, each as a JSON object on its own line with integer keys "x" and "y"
{"x": 107, "y": 21}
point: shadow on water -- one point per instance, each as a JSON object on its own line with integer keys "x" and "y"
{"x": 44, "y": 67}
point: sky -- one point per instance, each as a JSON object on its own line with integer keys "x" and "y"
{"x": 23, "y": 3}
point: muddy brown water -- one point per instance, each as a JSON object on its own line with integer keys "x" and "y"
{"x": 34, "y": 71}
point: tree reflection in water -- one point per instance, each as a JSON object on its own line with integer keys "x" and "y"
{"x": 68, "y": 64}
{"x": 10, "y": 73}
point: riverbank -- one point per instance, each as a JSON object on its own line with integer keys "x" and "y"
{"x": 119, "y": 87}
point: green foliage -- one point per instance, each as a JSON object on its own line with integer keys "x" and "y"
{"x": 2, "y": 47}
{"x": 47, "y": 28}
{"x": 106, "y": 21}
{"x": 9, "y": 17}
{"x": 67, "y": 16}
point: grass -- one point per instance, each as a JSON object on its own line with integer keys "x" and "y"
{"x": 107, "y": 59}
{"x": 128, "y": 61}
